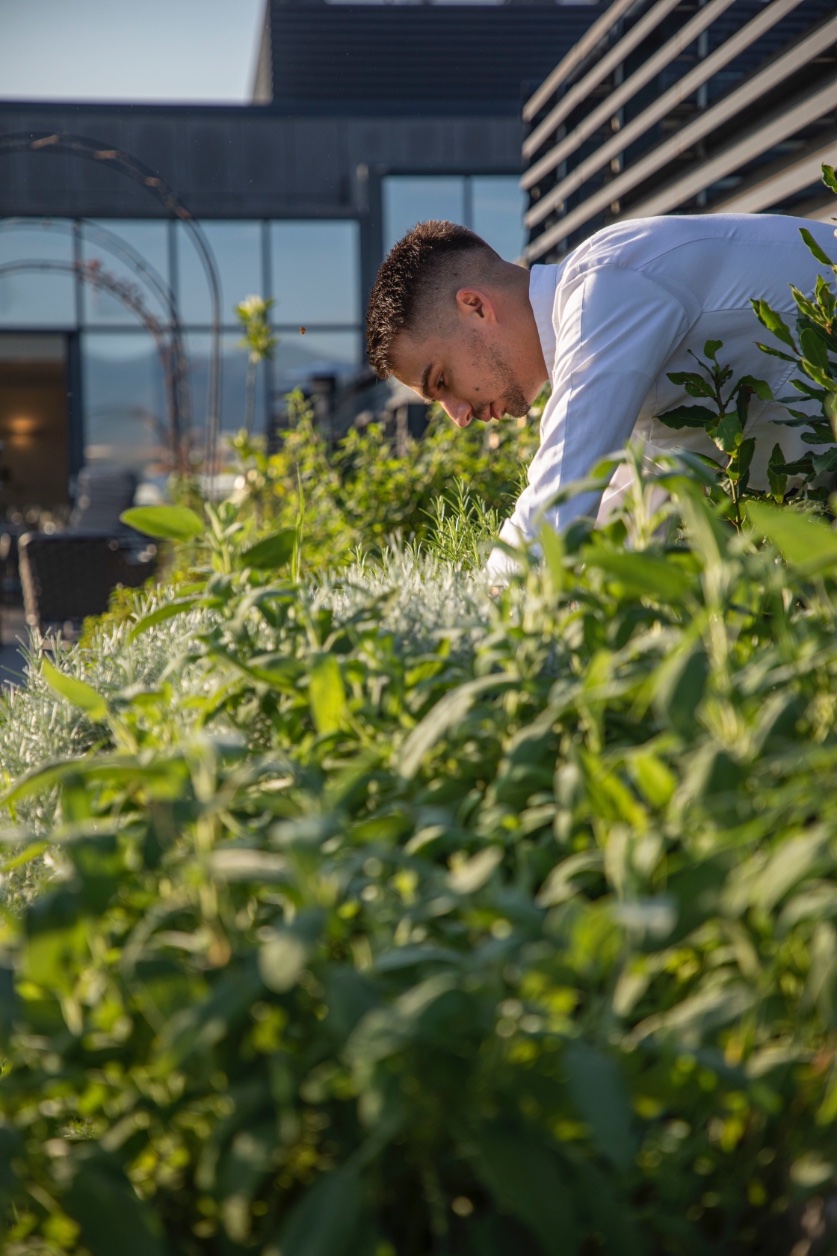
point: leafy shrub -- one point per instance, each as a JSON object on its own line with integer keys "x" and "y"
{"x": 362, "y": 494}
{"x": 724, "y": 418}
{"x": 391, "y": 920}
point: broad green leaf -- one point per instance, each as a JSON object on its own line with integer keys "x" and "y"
{"x": 808, "y": 544}
{"x": 612, "y": 1217}
{"x": 819, "y": 253}
{"x": 272, "y": 551}
{"x": 281, "y": 960}
{"x": 829, "y": 177}
{"x": 795, "y": 859}
{"x": 476, "y": 871}
{"x": 204, "y": 1022}
{"x": 830, "y": 409}
{"x": 697, "y": 1019}
{"x": 679, "y": 686}
{"x": 446, "y": 714}
{"x": 162, "y": 777}
{"x": 776, "y": 477}
{"x": 11, "y": 1143}
{"x": 643, "y": 574}
{"x": 552, "y": 548}
{"x": 775, "y": 353}
{"x": 57, "y": 940}
{"x": 773, "y": 322}
{"x": 695, "y": 385}
{"x": 105, "y": 1204}
{"x": 327, "y": 1217}
{"x": 647, "y": 917}
{"x": 77, "y": 692}
{"x": 169, "y": 611}
{"x": 243, "y": 1167}
{"x": 275, "y": 670}
{"x": 599, "y": 1092}
{"x": 759, "y": 386}
{"x": 8, "y": 1015}
{"x": 689, "y": 416}
{"x": 727, "y": 434}
{"x": 529, "y": 1182}
{"x": 385, "y": 1031}
{"x": 814, "y": 347}
{"x": 653, "y": 777}
{"x": 558, "y": 886}
{"x": 245, "y": 864}
{"x": 710, "y": 349}
{"x": 327, "y": 694}
{"x": 34, "y": 851}
{"x": 169, "y": 523}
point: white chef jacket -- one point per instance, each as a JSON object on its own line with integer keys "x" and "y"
{"x": 622, "y": 312}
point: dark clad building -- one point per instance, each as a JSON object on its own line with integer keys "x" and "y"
{"x": 366, "y": 118}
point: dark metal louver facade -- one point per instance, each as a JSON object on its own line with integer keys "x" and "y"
{"x": 677, "y": 107}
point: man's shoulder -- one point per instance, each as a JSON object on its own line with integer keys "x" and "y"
{"x": 637, "y": 243}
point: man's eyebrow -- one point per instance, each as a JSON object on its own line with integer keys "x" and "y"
{"x": 425, "y": 381}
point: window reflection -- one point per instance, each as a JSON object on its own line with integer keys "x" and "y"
{"x": 298, "y": 358}
{"x": 498, "y": 208}
{"x": 147, "y": 239}
{"x": 491, "y": 205}
{"x": 410, "y": 199}
{"x": 233, "y": 384}
{"x": 33, "y": 298}
{"x": 237, "y": 249}
{"x": 315, "y": 272}
{"x": 126, "y": 418}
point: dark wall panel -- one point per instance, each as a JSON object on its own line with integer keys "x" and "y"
{"x": 238, "y": 162}
{"x": 417, "y": 53}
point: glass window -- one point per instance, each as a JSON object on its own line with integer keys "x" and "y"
{"x": 315, "y": 272}
{"x": 33, "y": 421}
{"x": 233, "y": 384}
{"x": 237, "y": 248}
{"x": 126, "y": 418}
{"x": 497, "y": 213}
{"x": 37, "y": 298}
{"x": 298, "y": 358}
{"x": 135, "y": 254}
{"x": 410, "y": 199}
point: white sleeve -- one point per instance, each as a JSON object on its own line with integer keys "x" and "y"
{"x": 615, "y": 329}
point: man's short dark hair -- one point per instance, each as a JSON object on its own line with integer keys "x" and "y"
{"x": 420, "y": 268}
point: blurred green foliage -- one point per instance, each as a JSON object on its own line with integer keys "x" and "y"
{"x": 518, "y": 940}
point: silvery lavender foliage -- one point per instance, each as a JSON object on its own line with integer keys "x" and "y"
{"x": 38, "y": 726}
{"x": 417, "y": 599}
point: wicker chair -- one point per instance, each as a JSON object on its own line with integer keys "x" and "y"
{"x": 67, "y": 576}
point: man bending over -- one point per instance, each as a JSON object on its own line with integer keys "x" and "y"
{"x": 606, "y": 326}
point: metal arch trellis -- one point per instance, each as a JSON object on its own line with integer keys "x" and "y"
{"x": 125, "y": 293}
{"x": 125, "y": 164}
{"x": 177, "y": 378}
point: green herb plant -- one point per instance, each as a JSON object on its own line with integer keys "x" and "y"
{"x": 813, "y": 350}
{"x": 386, "y": 921}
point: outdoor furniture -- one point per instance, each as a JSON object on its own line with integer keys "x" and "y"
{"x": 102, "y": 494}
{"x": 67, "y": 576}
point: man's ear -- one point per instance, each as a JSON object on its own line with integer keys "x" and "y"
{"x": 475, "y": 303}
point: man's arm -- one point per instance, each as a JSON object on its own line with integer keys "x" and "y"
{"x": 615, "y": 330}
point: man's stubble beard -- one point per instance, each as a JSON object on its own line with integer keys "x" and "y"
{"x": 513, "y": 399}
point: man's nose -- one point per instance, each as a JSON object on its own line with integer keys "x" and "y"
{"x": 459, "y": 411}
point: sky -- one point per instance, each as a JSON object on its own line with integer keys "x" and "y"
{"x": 129, "y": 50}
